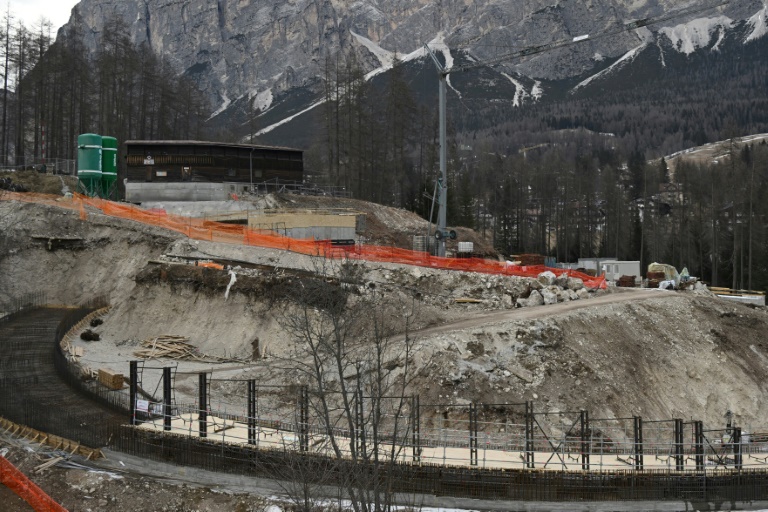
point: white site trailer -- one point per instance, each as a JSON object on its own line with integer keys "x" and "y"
{"x": 614, "y": 269}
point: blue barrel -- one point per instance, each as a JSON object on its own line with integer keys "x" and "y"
{"x": 89, "y": 163}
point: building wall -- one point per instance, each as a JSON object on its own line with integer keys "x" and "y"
{"x": 318, "y": 225}
{"x": 144, "y": 192}
{"x": 148, "y": 161}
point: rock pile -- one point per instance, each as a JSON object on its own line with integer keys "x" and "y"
{"x": 548, "y": 288}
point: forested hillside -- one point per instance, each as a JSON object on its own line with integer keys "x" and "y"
{"x": 59, "y": 90}
{"x": 571, "y": 174}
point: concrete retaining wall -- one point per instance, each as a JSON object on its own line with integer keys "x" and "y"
{"x": 143, "y": 192}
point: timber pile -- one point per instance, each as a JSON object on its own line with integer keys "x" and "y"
{"x": 626, "y": 282}
{"x": 169, "y": 346}
{"x": 111, "y": 380}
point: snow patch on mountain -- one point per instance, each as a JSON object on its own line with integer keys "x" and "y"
{"x": 284, "y": 121}
{"x": 520, "y": 92}
{"x": 689, "y": 37}
{"x": 385, "y": 57}
{"x": 661, "y": 54}
{"x": 757, "y": 22}
{"x": 439, "y": 44}
{"x": 224, "y": 105}
{"x": 537, "y": 91}
{"x": 261, "y": 100}
{"x": 623, "y": 61}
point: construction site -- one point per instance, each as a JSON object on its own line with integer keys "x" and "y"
{"x": 184, "y": 339}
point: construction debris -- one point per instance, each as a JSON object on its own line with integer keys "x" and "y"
{"x": 170, "y": 346}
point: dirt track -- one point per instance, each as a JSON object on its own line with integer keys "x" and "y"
{"x": 520, "y": 314}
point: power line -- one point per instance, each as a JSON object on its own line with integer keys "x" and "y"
{"x": 563, "y": 43}
{"x": 443, "y": 73}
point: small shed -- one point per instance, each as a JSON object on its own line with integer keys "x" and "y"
{"x": 614, "y": 269}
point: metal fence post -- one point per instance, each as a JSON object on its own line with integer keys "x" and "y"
{"x": 472, "y": 434}
{"x": 679, "y": 440}
{"x": 736, "y": 440}
{"x": 638, "y": 443}
{"x": 698, "y": 432}
{"x": 167, "y": 398}
{"x": 202, "y": 413}
{"x": 304, "y": 420}
{"x": 415, "y": 421}
{"x": 529, "y": 462}
{"x": 584, "y": 420}
{"x": 134, "y": 386}
{"x": 361, "y": 422}
{"x": 251, "y": 411}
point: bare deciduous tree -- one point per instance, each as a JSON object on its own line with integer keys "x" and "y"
{"x": 353, "y": 351}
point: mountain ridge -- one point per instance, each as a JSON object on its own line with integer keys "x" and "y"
{"x": 266, "y": 61}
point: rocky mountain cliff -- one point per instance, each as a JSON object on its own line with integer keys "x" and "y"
{"x": 248, "y": 54}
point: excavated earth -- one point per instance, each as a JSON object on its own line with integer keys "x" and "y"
{"x": 617, "y": 353}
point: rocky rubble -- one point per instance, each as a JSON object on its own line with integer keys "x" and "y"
{"x": 440, "y": 287}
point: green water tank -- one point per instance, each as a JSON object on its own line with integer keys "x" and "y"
{"x": 108, "y": 164}
{"x": 89, "y": 163}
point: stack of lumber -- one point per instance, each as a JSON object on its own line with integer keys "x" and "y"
{"x": 626, "y": 282}
{"x": 529, "y": 259}
{"x": 110, "y": 379}
{"x": 654, "y": 278}
{"x": 169, "y": 346}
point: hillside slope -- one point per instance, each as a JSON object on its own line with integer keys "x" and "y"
{"x": 655, "y": 354}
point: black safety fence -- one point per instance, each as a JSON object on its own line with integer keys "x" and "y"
{"x": 488, "y": 451}
{"x": 461, "y": 482}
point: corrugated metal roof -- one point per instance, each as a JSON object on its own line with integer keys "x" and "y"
{"x": 207, "y": 143}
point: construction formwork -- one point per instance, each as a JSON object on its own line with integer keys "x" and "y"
{"x": 510, "y": 451}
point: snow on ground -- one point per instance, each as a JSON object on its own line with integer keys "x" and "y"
{"x": 385, "y": 57}
{"x": 224, "y": 105}
{"x": 689, "y": 37}
{"x": 288, "y": 119}
{"x": 520, "y": 93}
{"x": 628, "y": 57}
{"x": 759, "y": 28}
{"x": 537, "y": 90}
{"x": 263, "y": 99}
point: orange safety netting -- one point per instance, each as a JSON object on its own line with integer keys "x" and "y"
{"x": 201, "y": 229}
{"x": 26, "y": 489}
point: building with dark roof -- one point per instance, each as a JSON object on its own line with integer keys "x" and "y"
{"x": 174, "y": 170}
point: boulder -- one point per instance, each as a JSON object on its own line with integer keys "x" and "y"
{"x": 548, "y": 296}
{"x": 574, "y": 283}
{"x": 534, "y": 299}
{"x": 582, "y": 293}
{"x": 547, "y": 278}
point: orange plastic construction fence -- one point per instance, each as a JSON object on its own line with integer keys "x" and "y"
{"x": 26, "y": 489}
{"x": 201, "y": 229}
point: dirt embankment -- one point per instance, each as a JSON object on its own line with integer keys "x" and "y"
{"x": 659, "y": 355}
{"x": 83, "y": 489}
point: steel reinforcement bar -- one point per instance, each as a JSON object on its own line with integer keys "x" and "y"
{"x": 76, "y": 420}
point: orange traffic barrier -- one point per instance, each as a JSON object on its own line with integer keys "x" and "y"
{"x": 26, "y": 489}
{"x": 202, "y": 229}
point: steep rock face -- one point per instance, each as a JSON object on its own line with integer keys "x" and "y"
{"x": 238, "y": 49}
